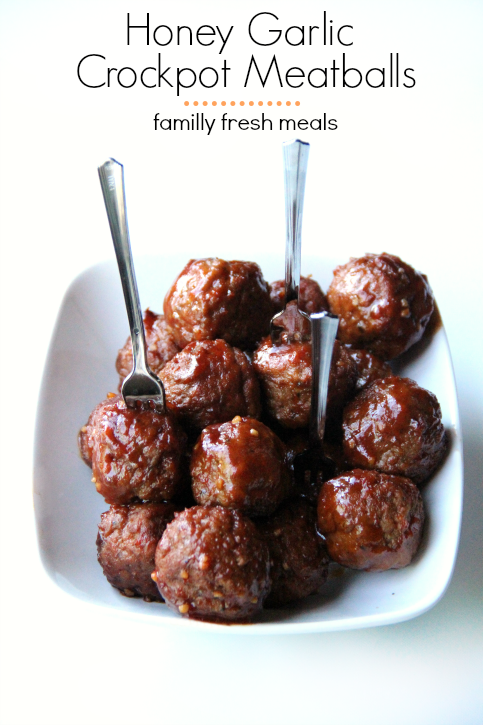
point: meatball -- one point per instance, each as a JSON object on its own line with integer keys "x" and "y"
{"x": 126, "y": 542}
{"x": 394, "y": 426}
{"x": 135, "y": 453}
{"x": 370, "y": 520}
{"x": 241, "y": 465}
{"x": 299, "y": 561}
{"x": 160, "y": 344}
{"x": 383, "y": 304}
{"x": 369, "y": 367}
{"x": 213, "y": 299}
{"x": 285, "y": 373}
{"x": 311, "y": 298}
{"x": 211, "y": 563}
{"x": 210, "y": 382}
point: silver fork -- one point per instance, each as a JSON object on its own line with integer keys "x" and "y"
{"x": 295, "y": 162}
{"x": 141, "y": 385}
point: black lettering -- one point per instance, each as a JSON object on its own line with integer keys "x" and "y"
{"x": 339, "y": 32}
{"x": 178, "y": 79}
{"x": 345, "y": 71}
{"x": 324, "y": 81}
{"x": 210, "y": 31}
{"x": 381, "y": 83}
{"x": 122, "y": 71}
{"x": 263, "y": 81}
{"x": 170, "y": 35}
{"x": 278, "y": 32}
{"x": 186, "y": 27}
{"x": 287, "y": 124}
{"x": 206, "y": 85}
{"x": 410, "y": 77}
{"x": 290, "y": 74}
{"x": 92, "y": 55}
{"x": 146, "y": 85}
{"x": 129, "y": 26}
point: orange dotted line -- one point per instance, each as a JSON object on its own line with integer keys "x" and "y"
{"x": 242, "y": 103}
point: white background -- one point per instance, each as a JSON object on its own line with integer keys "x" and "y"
{"x": 401, "y": 174}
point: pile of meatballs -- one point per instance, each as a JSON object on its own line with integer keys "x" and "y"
{"x": 205, "y": 512}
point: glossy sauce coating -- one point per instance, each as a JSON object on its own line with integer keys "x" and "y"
{"x": 210, "y": 382}
{"x": 393, "y": 425}
{"x": 370, "y": 520}
{"x": 213, "y": 298}
{"x": 299, "y": 561}
{"x": 241, "y": 465}
{"x": 134, "y": 453}
{"x": 285, "y": 373}
{"x": 211, "y": 563}
{"x": 126, "y": 543}
{"x": 311, "y": 298}
{"x": 369, "y": 367}
{"x": 160, "y": 343}
{"x": 383, "y": 304}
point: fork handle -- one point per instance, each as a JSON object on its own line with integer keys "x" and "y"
{"x": 111, "y": 175}
{"x": 295, "y": 161}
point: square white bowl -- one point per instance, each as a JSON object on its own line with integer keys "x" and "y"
{"x": 91, "y": 327}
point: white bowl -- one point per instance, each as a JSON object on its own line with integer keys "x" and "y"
{"x": 91, "y": 327}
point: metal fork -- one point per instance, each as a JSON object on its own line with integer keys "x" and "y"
{"x": 295, "y": 161}
{"x": 312, "y": 466}
{"x": 141, "y": 385}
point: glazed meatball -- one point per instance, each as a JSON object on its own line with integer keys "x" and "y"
{"x": 241, "y": 465}
{"x": 370, "y": 520}
{"x": 210, "y": 382}
{"x": 395, "y": 426}
{"x": 135, "y": 453}
{"x": 383, "y": 304}
{"x": 369, "y": 367}
{"x": 311, "y": 298}
{"x": 285, "y": 373}
{"x": 299, "y": 561}
{"x": 126, "y": 543}
{"x": 213, "y": 299}
{"x": 211, "y": 563}
{"x": 160, "y": 344}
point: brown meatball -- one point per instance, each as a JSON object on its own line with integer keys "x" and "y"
{"x": 395, "y": 426}
{"x": 369, "y": 367}
{"x": 160, "y": 343}
{"x": 311, "y": 297}
{"x": 285, "y": 373}
{"x": 210, "y": 382}
{"x": 126, "y": 542}
{"x": 211, "y": 563}
{"x": 298, "y": 554}
{"x": 370, "y": 520}
{"x": 241, "y": 465}
{"x": 213, "y": 299}
{"x": 383, "y": 304}
{"x": 135, "y": 453}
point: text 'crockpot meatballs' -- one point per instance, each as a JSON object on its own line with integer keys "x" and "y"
{"x": 383, "y": 304}
{"x": 298, "y": 554}
{"x": 135, "y": 453}
{"x": 395, "y": 426}
{"x": 213, "y": 299}
{"x": 211, "y": 563}
{"x": 370, "y": 520}
{"x": 240, "y": 465}
{"x": 210, "y": 382}
{"x": 126, "y": 543}
{"x": 160, "y": 344}
{"x": 285, "y": 374}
